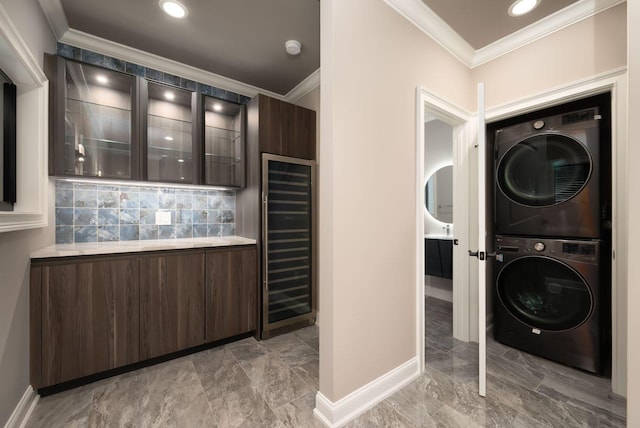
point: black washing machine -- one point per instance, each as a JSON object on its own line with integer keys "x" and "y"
{"x": 549, "y": 299}
{"x": 547, "y": 176}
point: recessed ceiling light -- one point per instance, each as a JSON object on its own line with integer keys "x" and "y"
{"x": 168, "y": 138}
{"x": 101, "y": 79}
{"x": 173, "y": 8}
{"x": 217, "y": 107}
{"x": 520, "y": 7}
{"x": 170, "y": 96}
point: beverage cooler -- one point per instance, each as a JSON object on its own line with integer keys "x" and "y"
{"x": 287, "y": 243}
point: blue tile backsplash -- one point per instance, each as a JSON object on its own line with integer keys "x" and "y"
{"x": 87, "y": 212}
{"x": 93, "y": 58}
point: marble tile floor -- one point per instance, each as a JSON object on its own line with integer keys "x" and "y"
{"x": 273, "y": 384}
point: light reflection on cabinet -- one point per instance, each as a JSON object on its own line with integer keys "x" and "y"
{"x": 223, "y": 143}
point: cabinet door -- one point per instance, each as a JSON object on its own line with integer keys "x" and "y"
{"x": 298, "y": 132}
{"x": 171, "y": 302}
{"x": 92, "y": 116}
{"x": 231, "y": 307}
{"x": 269, "y": 125}
{"x": 90, "y": 318}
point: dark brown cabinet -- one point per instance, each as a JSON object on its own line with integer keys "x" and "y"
{"x": 231, "y": 293}
{"x": 109, "y": 124}
{"x": 283, "y": 128}
{"x": 89, "y": 315}
{"x": 171, "y": 302}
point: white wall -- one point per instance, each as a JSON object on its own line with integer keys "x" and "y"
{"x": 633, "y": 377}
{"x": 372, "y": 61}
{"x": 15, "y": 247}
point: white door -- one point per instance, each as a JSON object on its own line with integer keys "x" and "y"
{"x": 482, "y": 247}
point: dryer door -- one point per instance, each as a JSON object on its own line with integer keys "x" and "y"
{"x": 544, "y": 170}
{"x": 544, "y": 293}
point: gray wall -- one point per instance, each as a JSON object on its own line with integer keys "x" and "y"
{"x": 15, "y": 247}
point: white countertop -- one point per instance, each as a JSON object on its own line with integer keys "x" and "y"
{"x": 438, "y": 236}
{"x": 98, "y": 248}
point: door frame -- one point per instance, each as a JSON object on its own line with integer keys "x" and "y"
{"x": 462, "y": 138}
{"x": 615, "y": 82}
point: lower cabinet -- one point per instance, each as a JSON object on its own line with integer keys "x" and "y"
{"x": 89, "y": 317}
{"x": 231, "y": 294}
{"x": 93, "y": 314}
{"x": 171, "y": 302}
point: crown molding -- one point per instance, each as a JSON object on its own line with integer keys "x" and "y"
{"x": 563, "y": 18}
{"x": 55, "y": 15}
{"x": 137, "y": 56}
{"x": 425, "y": 19}
{"x": 311, "y": 82}
{"x": 431, "y": 24}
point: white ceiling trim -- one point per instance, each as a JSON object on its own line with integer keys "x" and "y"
{"x": 550, "y": 24}
{"x": 425, "y": 19}
{"x": 56, "y": 17}
{"x": 311, "y": 82}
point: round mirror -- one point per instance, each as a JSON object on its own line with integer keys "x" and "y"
{"x": 439, "y": 194}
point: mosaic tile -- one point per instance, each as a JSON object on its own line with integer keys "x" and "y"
{"x": 134, "y": 69}
{"x": 231, "y": 96}
{"x": 229, "y": 202}
{"x": 85, "y": 216}
{"x": 85, "y": 198}
{"x": 184, "y": 231}
{"x": 227, "y": 216}
{"x": 184, "y": 199}
{"x": 228, "y": 229}
{"x": 129, "y": 199}
{"x": 170, "y": 79}
{"x": 113, "y": 64}
{"x": 108, "y": 199}
{"x": 149, "y": 200}
{"x": 184, "y": 217}
{"x": 64, "y": 234}
{"x": 129, "y": 216}
{"x": 200, "y": 216}
{"x": 108, "y": 216}
{"x": 200, "y": 201}
{"x": 167, "y": 200}
{"x": 85, "y": 234}
{"x": 244, "y": 100}
{"x": 213, "y": 217}
{"x": 129, "y": 232}
{"x": 188, "y": 84}
{"x": 214, "y": 201}
{"x": 64, "y": 197}
{"x": 148, "y": 231}
{"x": 167, "y": 232}
{"x": 218, "y": 92}
{"x": 214, "y": 230}
{"x": 200, "y": 230}
{"x": 204, "y": 89}
{"x": 92, "y": 58}
{"x": 152, "y": 74}
{"x": 108, "y": 233}
{"x": 64, "y": 216}
{"x": 68, "y": 51}
{"x": 147, "y": 217}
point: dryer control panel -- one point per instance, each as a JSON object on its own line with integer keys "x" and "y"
{"x": 586, "y": 251}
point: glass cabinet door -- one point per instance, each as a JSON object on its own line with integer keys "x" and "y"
{"x": 169, "y": 128}
{"x": 223, "y": 143}
{"x": 97, "y": 122}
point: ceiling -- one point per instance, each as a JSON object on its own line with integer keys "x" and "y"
{"x": 239, "y": 39}
{"x": 243, "y": 40}
{"x": 482, "y": 22}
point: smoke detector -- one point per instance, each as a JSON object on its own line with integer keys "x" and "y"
{"x": 293, "y": 47}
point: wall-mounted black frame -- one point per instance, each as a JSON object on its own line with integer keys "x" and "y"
{"x": 8, "y": 175}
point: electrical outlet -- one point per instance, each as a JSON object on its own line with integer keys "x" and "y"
{"x": 163, "y": 217}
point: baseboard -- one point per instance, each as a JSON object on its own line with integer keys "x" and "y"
{"x": 23, "y": 410}
{"x": 344, "y": 410}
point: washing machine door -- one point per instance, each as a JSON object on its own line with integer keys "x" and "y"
{"x": 544, "y": 293}
{"x": 544, "y": 170}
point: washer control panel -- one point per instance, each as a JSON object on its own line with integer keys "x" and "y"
{"x": 585, "y": 251}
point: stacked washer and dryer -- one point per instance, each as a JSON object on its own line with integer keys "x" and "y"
{"x": 552, "y": 235}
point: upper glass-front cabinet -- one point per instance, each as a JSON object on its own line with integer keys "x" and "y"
{"x": 108, "y": 124}
{"x": 93, "y": 123}
{"x": 224, "y": 124}
{"x": 172, "y": 138}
